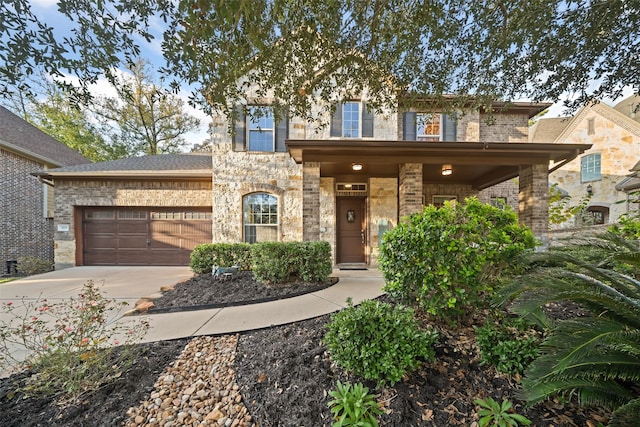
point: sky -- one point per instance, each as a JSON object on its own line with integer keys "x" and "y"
{"x": 153, "y": 53}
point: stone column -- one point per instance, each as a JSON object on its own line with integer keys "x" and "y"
{"x": 533, "y": 201}
{"x": 410, "y": 188}
{"x": 311, "y": 201}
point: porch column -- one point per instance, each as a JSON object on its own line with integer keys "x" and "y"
{"x": 310, "y": 201}
{"x": 410, "y": 188}
{"x": 533, "y": 201}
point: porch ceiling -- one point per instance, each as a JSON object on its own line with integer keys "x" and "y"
{"x": 480, "y": 164}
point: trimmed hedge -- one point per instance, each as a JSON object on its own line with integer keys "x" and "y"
{"x": 282, "y": 262}
{"x": 205, "y": 256}
{"x": 271, "y": 262}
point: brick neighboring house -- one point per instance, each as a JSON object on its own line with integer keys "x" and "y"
{"x": 26, "y": 204}
{"x": 292, "y": 180}
{"x": 600, "y": 174}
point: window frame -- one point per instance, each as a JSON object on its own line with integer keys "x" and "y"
{"x": 247, "y": 210}
{"x": 588, "y": 172}
{"x": 429, "y": 137}
{"x": 253, "y": 124}
{"x": 358, "y": 104}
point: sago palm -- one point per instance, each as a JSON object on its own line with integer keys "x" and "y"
{"x": 597, "y": 355}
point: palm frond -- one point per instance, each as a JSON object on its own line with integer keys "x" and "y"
{"x": 627, "y": 415}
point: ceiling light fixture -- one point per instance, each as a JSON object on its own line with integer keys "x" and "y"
{"x": 447, "y": 170}
{"x": 356, "y": 166}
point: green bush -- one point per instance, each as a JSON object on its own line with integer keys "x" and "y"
{"x": 509, "y": 344}
{"x": 443, "y": 260}
{"x": 627, "y": 227}
{"x": 204, "y": 257}
{"x": 30, "y": 265}
{"x": 282, "y": 262}
{"x": 354, "y": 406}
{"x": 378, "y": 341}
{"x": 493, "y": 413}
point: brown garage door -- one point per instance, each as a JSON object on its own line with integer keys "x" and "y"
{"x": 143, "y": 236}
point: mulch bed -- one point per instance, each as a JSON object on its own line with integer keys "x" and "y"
{"x": 285, "y": 374}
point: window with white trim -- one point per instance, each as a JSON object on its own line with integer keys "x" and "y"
{"x": 351, "y": 120}
{"x": 428, "y": 127}
{"x": 260, "y": 129}
{"x": 260, "y": 217}
{"x": 590, "y": 165}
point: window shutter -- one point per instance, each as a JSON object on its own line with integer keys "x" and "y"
{"x": 367, "y": 122}
{"x": 240, "y": 131}
{"x": 409, "y": 126}
{"x": 449, "y": 127}
{"x": 336, "y": 122}
{"x": 282, "y": 128}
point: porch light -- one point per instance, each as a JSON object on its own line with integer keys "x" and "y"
{"x": 356, "y": 166}
{"x": 447, "y": 170}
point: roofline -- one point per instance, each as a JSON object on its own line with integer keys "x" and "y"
{"x": 27, "y": 153}
{"x": 530, "y": 107}
{"x": 127, "y": 174}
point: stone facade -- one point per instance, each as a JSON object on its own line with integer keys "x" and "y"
{"x": 616, "y": 137}
{"x": 27, "y": 227}
{"x": 71, "y": 194}
{"x": 383, "y": 212}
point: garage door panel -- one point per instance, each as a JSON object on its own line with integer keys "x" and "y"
{"x": 144, "y": 236}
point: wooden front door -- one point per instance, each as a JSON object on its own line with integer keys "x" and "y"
{"x": 351, "y": 231}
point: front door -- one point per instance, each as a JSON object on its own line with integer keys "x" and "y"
{"x": 351, "y": 234}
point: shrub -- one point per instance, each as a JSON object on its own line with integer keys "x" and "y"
{"x": 378, "y": 341}
{"x": 354, "y": 406}
{"x": 444, "y": 259}
{"x": 68, "y": 344}
{"x": 30, "y": 265}
{"x": 627, "y": 227}
{"x": 509, "y": 344}
{"x": 204, "y": 257}
{"x": 282, "y": 262}
{"x": 597, "y": 356}
{"x": 494, "y": 414}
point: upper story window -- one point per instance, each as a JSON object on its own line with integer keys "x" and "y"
{"x": 260, "y": 129}
{"x": 428, "y": 127}
{"x": 352, "y": 119}
{"x": 590, "y": 169}
{"x": 260, "y": 217}
{"x": 256, "y": 129}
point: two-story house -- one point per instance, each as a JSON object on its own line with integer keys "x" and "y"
{"x": 289, "y": 180}
{"x": 597, "y": 177}
{"x": 26, "y": 204}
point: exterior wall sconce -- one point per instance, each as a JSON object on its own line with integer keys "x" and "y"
{"x": 447, "y": 170}
{"x": 589, "y": 190}
{"x": 356, "y": 167}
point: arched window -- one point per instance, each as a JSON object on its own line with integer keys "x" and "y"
{"x": 260, "y": 217}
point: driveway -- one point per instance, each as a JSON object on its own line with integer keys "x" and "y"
{"x": 121, "y": 283}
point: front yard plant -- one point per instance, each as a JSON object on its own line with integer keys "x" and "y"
{"x": 444, "y": 260}
{"x": 379, "y": 341}
{"x": 353, "y": 405}
{"x": 69, "y": 344}
{"x": 493, "y": 413}
{"x": 595, "y": 357}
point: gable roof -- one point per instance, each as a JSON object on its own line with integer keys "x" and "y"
{"x": 547, "y": 130}
{"x": 630, "y": 107}
{"x": 21, "y": 137}
{"x": 180, "y": 165}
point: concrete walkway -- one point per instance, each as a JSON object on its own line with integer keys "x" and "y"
{"x": 132, "y": 283}
{"x": 355, "y": 284}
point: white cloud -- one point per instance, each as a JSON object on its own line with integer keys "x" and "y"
{"x": 44, "y": 3}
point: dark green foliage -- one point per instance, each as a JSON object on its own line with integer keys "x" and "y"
{"x": 379, "y": 341}
{"x": 493, "y": 413}
{"x": 509, "y": 344}
{"x": 596, "y": 357}
{"x": 283, "y": 262}
{"x": 443, "y": 260}
{"x": 205, "y": 256}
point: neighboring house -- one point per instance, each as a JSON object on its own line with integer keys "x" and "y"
{"x": 597, "y": 177}
{"x": 346, "y": 183}
{"x": 26, "y": 204}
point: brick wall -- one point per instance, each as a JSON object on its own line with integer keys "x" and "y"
{"x": 25, "y": 230}
{"x": 410, "y": 188}
{"x": 534, "y": 200}
{"x": 311, "y": 201}
{"x": 79, "y": 193}
{"x": 508, "y": 190}
{"x": 504, "y": 128}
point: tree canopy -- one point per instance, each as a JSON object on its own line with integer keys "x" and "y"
{"x": 304, "y": 50}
